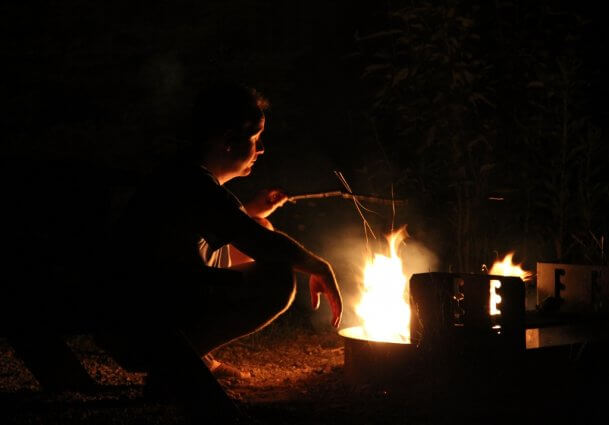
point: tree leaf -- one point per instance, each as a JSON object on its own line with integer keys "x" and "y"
{"x": 374, "y": 69}
{"x": 401, "y": 75}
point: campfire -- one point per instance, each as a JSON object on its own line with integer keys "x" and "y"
{"x": 382, "y": 344}
{"x": 384, "y": 308}
{"x": 437, "y": 314}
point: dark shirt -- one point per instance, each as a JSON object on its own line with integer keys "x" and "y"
{"x": 177, "y": 224}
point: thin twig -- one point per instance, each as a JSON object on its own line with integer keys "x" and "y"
{"x": 358, "y": 207}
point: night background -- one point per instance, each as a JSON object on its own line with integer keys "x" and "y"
{"x": 489, "y": 118}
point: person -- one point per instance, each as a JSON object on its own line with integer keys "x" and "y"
{"x": 204, "y": 268}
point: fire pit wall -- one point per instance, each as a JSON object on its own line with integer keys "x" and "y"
{"x": 379, "y": 363}
{"x": 454, "y": 336}
{"x": 454, "y": 326}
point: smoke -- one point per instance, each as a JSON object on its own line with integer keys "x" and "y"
{"x": 417, "y": 258}
{"x": 345, "y": 249}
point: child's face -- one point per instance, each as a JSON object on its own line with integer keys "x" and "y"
{"x": 246, "y": 147}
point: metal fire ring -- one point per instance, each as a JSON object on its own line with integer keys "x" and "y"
{"x": 376, "y": 362}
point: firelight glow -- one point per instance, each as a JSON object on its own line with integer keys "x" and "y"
{"x": 383, "y": 308}
{"x": 504, "y": 268}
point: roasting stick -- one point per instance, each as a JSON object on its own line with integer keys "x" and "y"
{"x": 347, "y": 195}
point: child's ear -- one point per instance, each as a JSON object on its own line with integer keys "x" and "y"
{"x": 228, "y": 139}
{"x": 228, "y": 135}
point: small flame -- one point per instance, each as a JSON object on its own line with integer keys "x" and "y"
{"x": 508, "y": 268}
{"x": 384, "y": 308}
{"x": 504, "y": 268}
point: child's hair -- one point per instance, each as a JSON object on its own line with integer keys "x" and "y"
{"x": 225, "y": 106}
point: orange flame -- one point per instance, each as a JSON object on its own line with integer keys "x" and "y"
{"x": 384, "y": 308}
{"x": 504, "y": 268}
{"x": 508, "y": 268}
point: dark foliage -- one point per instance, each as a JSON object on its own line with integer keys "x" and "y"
{"x": 474, "y": 101}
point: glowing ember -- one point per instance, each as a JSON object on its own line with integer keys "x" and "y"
{"x": 384, "y": 308}
{"x": 504, "y": 268}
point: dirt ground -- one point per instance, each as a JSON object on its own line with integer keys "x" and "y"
{"x": 297, "y": 377}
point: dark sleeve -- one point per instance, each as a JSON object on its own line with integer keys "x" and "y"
{"x": 220, "y": 214}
